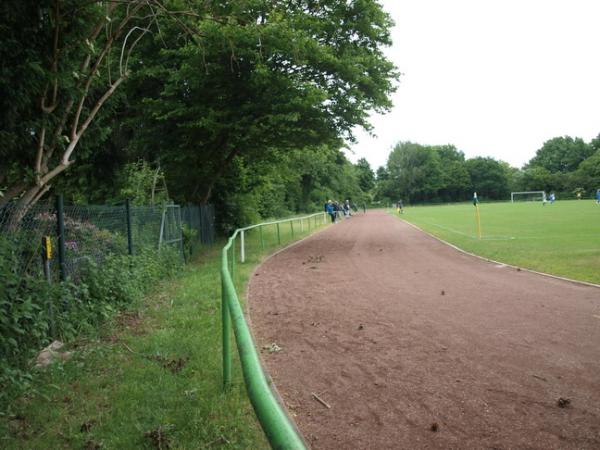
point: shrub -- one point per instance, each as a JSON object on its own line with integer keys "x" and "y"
{"x": 33, "y": 312}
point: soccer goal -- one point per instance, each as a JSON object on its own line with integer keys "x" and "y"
{"x": 529, "y": 196}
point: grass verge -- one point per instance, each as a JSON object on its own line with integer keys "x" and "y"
{"x": 153, "y": 379}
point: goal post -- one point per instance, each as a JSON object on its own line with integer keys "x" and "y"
{"x": 528, "y": 196}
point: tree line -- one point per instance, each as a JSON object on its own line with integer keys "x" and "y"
{"x": 242, "y": 103}
{"x": 428, "y": 174}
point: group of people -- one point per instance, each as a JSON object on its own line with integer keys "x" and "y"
{"x": 336, "y": 209}
{"x": 550, "y": 198}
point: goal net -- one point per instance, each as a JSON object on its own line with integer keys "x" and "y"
{"x": 529, "y": 196}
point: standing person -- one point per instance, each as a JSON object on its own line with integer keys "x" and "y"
{"x": 329, "y": 209}
{"x": 347, "y": 212}
{"x": 598, "y": 197}
{"x": 365, "y": 206}
{"x": 400, "y": 207}
{"x": 552, "y": 198}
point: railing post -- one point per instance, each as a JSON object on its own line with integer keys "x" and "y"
{"x": 262, "y": 239}
{"x": 324, "y": 218}
{"x": 233, "y": 260}
{"x": 129, "y": 236}
{"x": 278, "y": 234}
{"x": 292, "y": 228}
{"x": 301, "y": 225}
{"x": 60, "y": 229}
{"x": 226, "y": 320}
{"x": 242, "y": 248}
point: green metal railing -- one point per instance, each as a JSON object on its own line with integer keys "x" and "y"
{"x": 279, "y": 429}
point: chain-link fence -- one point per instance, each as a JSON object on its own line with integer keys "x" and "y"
{"x": 91, "y": 232}
{"x": 21, "y": 234}
{"x": 202, "y": 219}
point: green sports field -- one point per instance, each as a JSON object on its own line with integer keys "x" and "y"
{"x": 562, "y": 239}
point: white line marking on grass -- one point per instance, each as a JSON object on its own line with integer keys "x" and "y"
{"x": 556, "y": 277}
{"x": 451, "y": 230}
{"x": 470, "y": 236}
{"x": 498, "y": 238}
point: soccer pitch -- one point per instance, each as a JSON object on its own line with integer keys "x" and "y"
{"x": 561, "y": 239}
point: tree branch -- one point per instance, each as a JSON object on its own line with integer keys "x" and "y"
{"x": 40, "y": 153}
{"x": 58, "y": 133}
{"x": 96, "y": 66}
{"x": 92, "y": 114}
{"x": 123, "y": 71}
{"x": 41, "y": 193}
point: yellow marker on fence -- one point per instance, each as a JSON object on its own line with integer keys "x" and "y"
{"x": 47, "y": 247}
{"x": 477, "y": 216}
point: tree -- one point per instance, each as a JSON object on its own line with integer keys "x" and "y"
{"x": 588, "y": 174}
{"x": 455, "y": 179}
{"x": 488, "y": 178}
{"x": 415, "y": 172}
{"x": 561, "y": 154}
{"x": 595, "y": 143}
{"x": 366, "y": 177}
{"x": 272, "y": 77}
{"x": 62, "y": 62}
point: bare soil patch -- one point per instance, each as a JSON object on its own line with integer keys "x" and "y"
{"x": 414, "y": 345}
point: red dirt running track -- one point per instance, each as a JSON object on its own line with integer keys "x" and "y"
{"x": 416, "y": 345}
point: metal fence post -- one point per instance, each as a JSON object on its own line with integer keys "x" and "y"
{"x": 262, "y": 239}
{"x": 129, "y": 235}
{"x": 292, "y": 227}
{"x": 242, "y": 247}
{"x": 278, "y": 234}
{"x": 233, "y": 260}
{"x": 60, "y": 229}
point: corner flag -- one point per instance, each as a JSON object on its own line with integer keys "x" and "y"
{"x": 476, "y": 204}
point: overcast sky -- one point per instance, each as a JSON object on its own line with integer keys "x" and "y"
{"x": 493, "y": 77}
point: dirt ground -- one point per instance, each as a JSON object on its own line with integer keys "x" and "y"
{"x": 414, "y": 345}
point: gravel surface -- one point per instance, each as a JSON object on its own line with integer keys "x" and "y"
{"x": 414, "y": 345}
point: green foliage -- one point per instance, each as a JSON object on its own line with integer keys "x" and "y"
{"x": 588, "y": 173}
{"x": 561, "y": 154}
{"x": 296, "y": 180}
{"x": 419, "y": 173}
{"x": 143, "y": 184}
{"x": 30, "y": 308}
{"x": 415, "y": 173}
{"x": 488, "y": 178}
{"x": 260, "y": 84}
{"x": 366, "y": 177}
{"x": 189, "y": 236}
